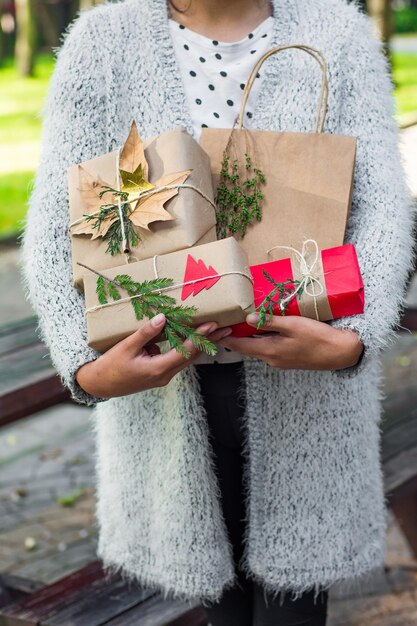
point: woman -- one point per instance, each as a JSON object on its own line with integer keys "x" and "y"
{"x": 173, "y": 438}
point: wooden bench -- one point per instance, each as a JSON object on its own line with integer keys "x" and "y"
{"x": 399, "y": 436}
{"x": 86, "y": 597}
{"x": 28, "y": 381}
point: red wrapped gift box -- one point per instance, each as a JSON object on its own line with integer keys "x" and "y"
{"x": 338, "y": 277}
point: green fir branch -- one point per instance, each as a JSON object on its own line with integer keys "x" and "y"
{"x": 188, "y": 332}
{"x": 110, "y": 211}
{"x": 175, "y": 341}
{"x": 149, "y": 302}
{"x": 140, "y": 309}
{"x": 276, "y": 297}
{"x": 101, "y": 290}
{"x": 182, "y": 313}
{"x": 113, "y": 292}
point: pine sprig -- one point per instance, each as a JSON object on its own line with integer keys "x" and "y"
{"x": 111, "y": 212}
{"x": 101, "y": 290}
{"x": 113, "y": 293}
{"x": 150, "y": 302}
{"x": 198, "y": 340}
{"x": 175, "y": 341}
{"x": 276, "y": 297}
{"x": 238, "y": 199}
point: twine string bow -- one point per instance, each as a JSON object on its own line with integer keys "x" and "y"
{"x": 309, "y": 280}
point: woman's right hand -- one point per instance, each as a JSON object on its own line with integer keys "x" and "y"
{"x": 130, "y": 367}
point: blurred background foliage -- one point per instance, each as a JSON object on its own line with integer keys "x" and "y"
{"x": 31, "y": 29}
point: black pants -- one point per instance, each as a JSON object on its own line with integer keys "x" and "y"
{"x": 247, "y": 604}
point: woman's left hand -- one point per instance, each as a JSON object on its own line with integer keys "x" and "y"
{"x": 299, "y": 343}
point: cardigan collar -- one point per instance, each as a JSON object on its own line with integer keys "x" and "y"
{"x": 286, "y": 20}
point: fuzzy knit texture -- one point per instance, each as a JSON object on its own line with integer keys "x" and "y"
{"x": 315, "y": 505}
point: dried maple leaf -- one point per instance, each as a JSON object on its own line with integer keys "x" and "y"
{"x": 151, "y": 208}
{"x": 86, "y": 228}
{"x": 133, "y": 153}
{"x": 90, "y": 188}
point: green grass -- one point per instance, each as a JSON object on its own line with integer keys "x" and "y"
{"x": 20, "y": 122}
{"x": 22, "y": 101}
{"x": 405, "y": 77}
{"x": 14, "y": 193}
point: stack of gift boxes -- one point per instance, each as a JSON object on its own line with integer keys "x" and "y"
{"x": 144, "y": 238}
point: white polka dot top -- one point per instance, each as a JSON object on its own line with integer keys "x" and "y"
{"x": 214, "y": 73}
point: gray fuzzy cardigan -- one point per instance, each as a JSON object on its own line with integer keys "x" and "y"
{"x": 315, "y": 506}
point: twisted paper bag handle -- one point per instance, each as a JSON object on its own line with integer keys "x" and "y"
{"x": 324, "y": 92}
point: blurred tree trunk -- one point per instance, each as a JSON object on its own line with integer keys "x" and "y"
{"x": 25, "y": 37}
{"x": 2, "y": 44}
{"x": 381, "y": 12}
{"x": 47, "y": 24}
{"x": 54, "y": 17}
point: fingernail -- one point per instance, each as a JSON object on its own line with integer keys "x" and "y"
{"x": 158, "y": 320}
{"x": 252, "y": 319}
{"x": 225, "y": 332}
{"x": 210, "y": 328}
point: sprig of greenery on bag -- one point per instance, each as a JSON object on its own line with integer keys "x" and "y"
{"x": 238, "y": 200}
{"x": 147, "y": 301}
{"x": 277, "y": 297}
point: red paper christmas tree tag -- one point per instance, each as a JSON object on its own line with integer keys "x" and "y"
{"x": 195, "y": 270}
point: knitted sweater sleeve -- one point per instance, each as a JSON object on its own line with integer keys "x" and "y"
{"x": 73, "y": 131}
{"x": 380, "y": 223}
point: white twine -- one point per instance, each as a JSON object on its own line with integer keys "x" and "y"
{"x": 155, "y": 267}
{"x": 125, "y": 243}
{"x": 306, "y": 271}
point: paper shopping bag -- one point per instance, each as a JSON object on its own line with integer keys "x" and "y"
{"x": 281, "y": 188}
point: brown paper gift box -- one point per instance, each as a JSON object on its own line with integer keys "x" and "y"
{"x": 194, "y": 223}
{"x": 309, "y": 176}
{"x": 226, "y": 300}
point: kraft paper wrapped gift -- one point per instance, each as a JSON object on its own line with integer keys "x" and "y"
{"x": 182, "y": 217}
{"x": 329, "y": 285}
{"x": 308, "y": 175}
{"x": 213, "y": 277}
